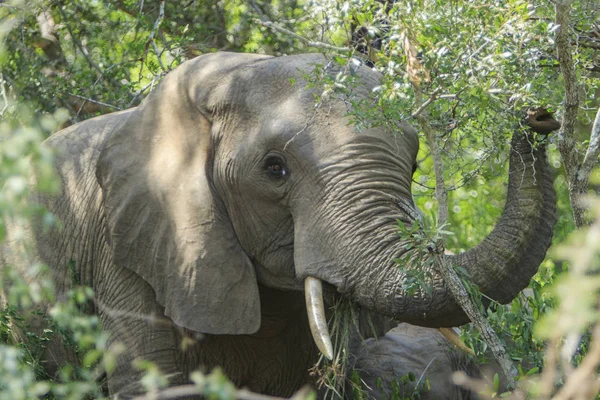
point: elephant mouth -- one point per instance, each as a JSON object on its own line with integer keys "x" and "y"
{"x": 315, "y": 306}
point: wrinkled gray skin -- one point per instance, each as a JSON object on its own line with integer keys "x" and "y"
{"x": 175, "y": 209}
{"x": 384, "y": 365}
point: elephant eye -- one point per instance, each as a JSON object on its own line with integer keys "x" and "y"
{"x": 276, "y": 167}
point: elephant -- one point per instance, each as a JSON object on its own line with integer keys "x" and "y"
{"x": 222, "y": 205}
{"x": 384, "y": 365}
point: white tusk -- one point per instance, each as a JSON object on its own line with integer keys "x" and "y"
{"x": 313, "y": 292}
{"x": 453, "y": 338}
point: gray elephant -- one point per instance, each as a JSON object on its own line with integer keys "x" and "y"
{"x": 385, "y": 365}
{"x": 227, "y": 192}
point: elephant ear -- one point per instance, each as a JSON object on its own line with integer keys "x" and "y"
{"x": 163, "y": 218}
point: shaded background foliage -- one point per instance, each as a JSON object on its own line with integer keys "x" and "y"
{"x": 462, "y": 72}
{"x": 94, "y": 57}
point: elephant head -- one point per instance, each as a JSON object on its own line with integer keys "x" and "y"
{"x": 230, "y": 175}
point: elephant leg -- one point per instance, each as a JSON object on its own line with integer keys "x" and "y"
{"x": 129, "y": 312}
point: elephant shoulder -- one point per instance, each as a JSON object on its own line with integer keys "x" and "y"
{"x": 78, "y": 147}
{"x": 76, "y": 151}
{"x": 85, "y": 139}
{"x": 77, "y": 237}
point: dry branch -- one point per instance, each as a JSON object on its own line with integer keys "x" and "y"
{"x": 567, "y": 145}
{"x": 184, "y": 391}
{"x": 461, "y": 296}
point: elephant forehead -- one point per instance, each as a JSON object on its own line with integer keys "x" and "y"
{"x": 302, "y": 78}
{"x": 322, "y": 132}
{"x": 279, "y": 103}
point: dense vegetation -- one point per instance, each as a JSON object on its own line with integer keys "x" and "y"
{"x": 462, "y": 72}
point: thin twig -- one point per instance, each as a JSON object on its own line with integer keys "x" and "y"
{"x": 83, "y": 50}
{"x": 87, "y": 99}
{"x": 461, "y": 296}
{"x": 589, "y": 43}
{"x": 142, "y": 90}
{"x": 306, "y": 41}
{"x": 11, "y": 6}
{"x": 158, "y": 55}
{"x": 161, "y": 15}
{"x": 432, "y": 98}
{"x": 306, "y": 125}
{"x": 441, "y": 193}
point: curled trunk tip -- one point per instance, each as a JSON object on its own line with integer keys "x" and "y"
{"x": 541, "y": 121}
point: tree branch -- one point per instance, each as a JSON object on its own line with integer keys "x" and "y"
{"x": 4, "y": 97}
{"x": 441, "y": 193}
{"x": 591, "y": 156}
{"x": 434, "y": 96}
{"x": 565, "y": 58}
{"x": 461, "y": 296}
{"x": 161, "y": 15}
{"x": 417, "y": 74}
{"x": 193, "y": 390}
{"x": 589, "y": 43}
{"x": 142, "y": 90}
{"x": 567, "y": 144}
{"x": 306, "y": 41}
{"x": 95, "y": 102}
{"x": 262, "y": 15}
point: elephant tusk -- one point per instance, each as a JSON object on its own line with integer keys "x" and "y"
{"x": 313, "y": 291}
{"x": 453, "y": 338}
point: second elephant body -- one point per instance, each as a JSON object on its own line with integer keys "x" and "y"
{"x": 384, "y": 365}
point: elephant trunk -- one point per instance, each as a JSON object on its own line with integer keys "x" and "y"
{"x": 504, "y": 262}
{"x": 366, "y": 251}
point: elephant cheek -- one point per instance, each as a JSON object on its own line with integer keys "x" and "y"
{"x": 310, "y": 260}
